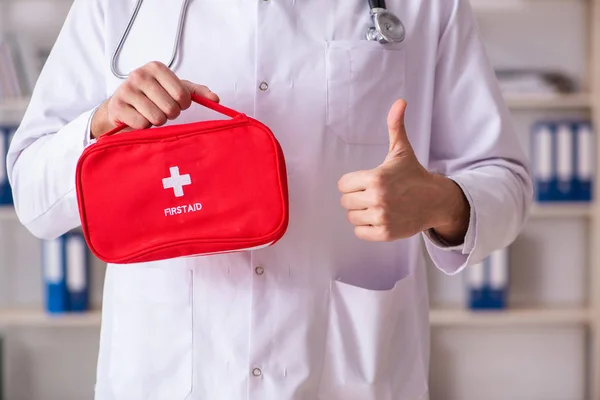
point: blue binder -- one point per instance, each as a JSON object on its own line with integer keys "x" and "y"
{"x": 77, "y": 260}
{"x": 543, "y": 162}
{"x": 488, "y": 282}
{"x": 563, "y": 155}
{"x": 586, "y": 149}
{"x": 54, "y": 273}
{"x": 565, "y": 163}
{"x": 476, "y": 284}
{"x": 6, "y": 134}
{"x": 498, "y": 279}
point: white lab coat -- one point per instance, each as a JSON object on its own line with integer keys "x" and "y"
{"x": 330, "y": 317}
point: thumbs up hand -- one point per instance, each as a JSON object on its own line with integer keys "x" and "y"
{"x": 400, "y": 198}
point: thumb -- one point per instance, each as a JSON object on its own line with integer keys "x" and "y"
{"x": 399, "y": 142}
{"x": 201, "y": 90}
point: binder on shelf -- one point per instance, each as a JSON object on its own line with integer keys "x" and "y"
{"x": 498, "y": 279}
{"x": 543, "y": 154}
{"x": 6, "y": 197}
{"x": 563, "y": 157}
{"x": 476, "y": 285}
{"x": 54, "y": 274}
{"x": 77, "y": 260}
{"x": 66, "y": 273}
{"x": 488, "y": 282}
{"x": 585, "y": 161}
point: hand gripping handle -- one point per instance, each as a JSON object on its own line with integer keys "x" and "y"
{"x": 203, "y": 101}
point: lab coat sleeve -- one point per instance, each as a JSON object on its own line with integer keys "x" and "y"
{"x": 475, "y": 144}
{"x": 43, "y": 155}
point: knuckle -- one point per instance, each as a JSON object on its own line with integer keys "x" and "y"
{"x": 158, "y": 118}
{"x": 126, "y": 88}
{"x": 181, "y": 96}
{"x": 160, "y": 121}
{"x": 173, "y": 111}
{"x": 154, "y": 66}
{"x": 140, "y": 123}
{"x": 116, "y": 107}
{"x": 137, "y": 76}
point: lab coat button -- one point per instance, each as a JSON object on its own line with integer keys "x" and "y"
{"x": 259, "y": 270}
{"x": 264, "y": 86}
{"x": 256, "y": 372}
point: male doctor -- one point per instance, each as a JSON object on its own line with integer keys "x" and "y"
{"x": 338, "y": 309}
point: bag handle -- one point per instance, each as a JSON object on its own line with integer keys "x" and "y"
{"x": 203, "y": 101}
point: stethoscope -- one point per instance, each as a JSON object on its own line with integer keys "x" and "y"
{"x": 388, "y": 29}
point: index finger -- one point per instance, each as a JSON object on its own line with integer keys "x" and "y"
{"x": 354, "y": 181}
{"x": 173, "y": 85}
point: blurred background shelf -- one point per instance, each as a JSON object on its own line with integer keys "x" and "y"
{"x": 7, "y": 213}
{"x": 550, "y": 102}
{"x": 511, "y": 317}
{"x": 11, "y": 111}
{"x": 567, "y": 210}
{"x": 39, "y": 319}
{"x": 451, "y": 317}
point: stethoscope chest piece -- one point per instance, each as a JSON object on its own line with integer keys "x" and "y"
{"x": 388, "y": 27}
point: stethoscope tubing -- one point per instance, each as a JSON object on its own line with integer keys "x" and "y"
{"x": 373, "y": 4}
{"x": 115, "y": 58}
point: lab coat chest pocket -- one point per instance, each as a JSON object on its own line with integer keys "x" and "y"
{"x": 151, "y": 340}
{"x": 373, "y": 345}
{"x": 364, "y": 79}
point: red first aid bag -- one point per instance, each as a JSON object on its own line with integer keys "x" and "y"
{"x": 183, "y": 190}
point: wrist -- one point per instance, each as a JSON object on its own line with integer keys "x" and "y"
{"x": 451, "y": 213}
{"x": 100, "y": 123}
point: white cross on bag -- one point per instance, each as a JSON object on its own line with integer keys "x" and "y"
{"x": 176, "y": 181}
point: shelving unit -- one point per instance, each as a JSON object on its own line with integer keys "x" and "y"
{"x": 439, "y": 318}
{"x": 562, "y": 211}
{"x": 558, "y": 102}
{"x": 515, "y": 317}
{"x": 39, "y": 319}
{"x": 14, "y": 106}
{"x": 594, "y": 238}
